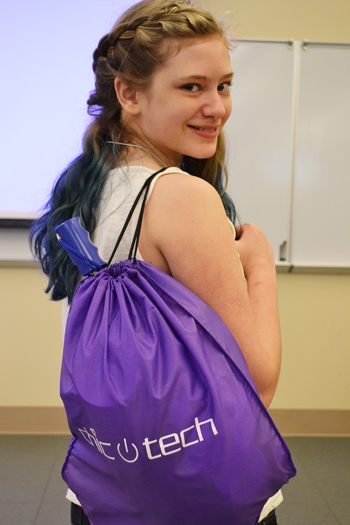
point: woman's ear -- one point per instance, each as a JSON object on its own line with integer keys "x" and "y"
{"x": 127, "y": 96}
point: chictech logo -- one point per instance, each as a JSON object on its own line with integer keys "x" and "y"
{"x": 155, "y": 448}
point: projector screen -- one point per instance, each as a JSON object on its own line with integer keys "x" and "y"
{"x": 47, "y": 75}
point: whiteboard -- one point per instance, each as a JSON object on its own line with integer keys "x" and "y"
{"x": 259, "y": 137}
{"x": 321, "y": 211}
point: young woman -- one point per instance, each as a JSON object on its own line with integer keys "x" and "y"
{"x": 162, "y": 97}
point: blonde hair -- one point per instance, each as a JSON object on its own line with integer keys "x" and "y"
{"x": 133, "y": 51}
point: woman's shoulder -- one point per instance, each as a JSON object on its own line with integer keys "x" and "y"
{"x": 183, "y": 201}
{"x": 189, "y": 188}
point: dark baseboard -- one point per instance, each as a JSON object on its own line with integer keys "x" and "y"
{"x": 326, "y": 423}
{"x": 33, "y": 420}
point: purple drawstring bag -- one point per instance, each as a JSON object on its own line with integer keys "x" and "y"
{"x": 167, "y": 424}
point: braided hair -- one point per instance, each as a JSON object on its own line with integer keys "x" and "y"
{"x": 132, "y": 51}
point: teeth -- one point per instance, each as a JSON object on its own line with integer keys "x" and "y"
{"x": 205, "y": 130}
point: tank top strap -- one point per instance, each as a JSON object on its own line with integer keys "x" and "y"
{"x": 134, "y": 244}
{"x": 146, "y": 190}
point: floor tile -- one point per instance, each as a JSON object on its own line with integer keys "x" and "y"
{"x": 26, "y": 463}
{"x": 327, "y": 462}
{"x": 56, "y": 488}
{"x": 24, "y": 483}
{"x": 341, "y": 510}
{"x": 305, "y": 514}
{"x": 18, "y": 513}
{"x": 53, "y": 514}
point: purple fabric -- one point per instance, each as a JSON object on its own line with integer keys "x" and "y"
{"x": 166, "y": 421}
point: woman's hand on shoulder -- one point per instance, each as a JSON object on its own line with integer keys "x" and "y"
{"x": 254, "y": 249}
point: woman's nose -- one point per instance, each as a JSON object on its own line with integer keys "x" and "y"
{"x": 214, "y": 106}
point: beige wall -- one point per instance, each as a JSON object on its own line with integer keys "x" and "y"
{"x": 30, "y": 340}
{"x": 314, "y": 20}
{"x": 315, "y": 309}
{"x": 315, "y": 313}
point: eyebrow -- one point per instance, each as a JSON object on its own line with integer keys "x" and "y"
{"x": 202, "y": 77}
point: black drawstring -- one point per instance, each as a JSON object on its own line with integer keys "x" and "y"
{"x": 135, "y": 240}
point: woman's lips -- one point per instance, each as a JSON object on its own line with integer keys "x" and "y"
{"x": 208, "y": 132}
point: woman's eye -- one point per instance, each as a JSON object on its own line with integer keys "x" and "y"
{"x": 191, "y": 87}
{"x": 225, "y": 88}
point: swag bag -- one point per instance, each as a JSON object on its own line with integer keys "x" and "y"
{"x": 167, "y": 425}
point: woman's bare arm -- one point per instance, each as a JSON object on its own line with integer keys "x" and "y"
{"x": 186, "y": 233}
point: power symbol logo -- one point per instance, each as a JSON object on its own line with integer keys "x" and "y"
{"x": 127, "y": 452}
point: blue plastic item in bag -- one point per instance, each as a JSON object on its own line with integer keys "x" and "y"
{"x": 167, "y": 424}
{"x": 76, "y": 241}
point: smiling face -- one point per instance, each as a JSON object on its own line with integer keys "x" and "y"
{"x": 188, "y": 102}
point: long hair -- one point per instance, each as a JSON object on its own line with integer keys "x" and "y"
{"x": 133, "y": 52}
